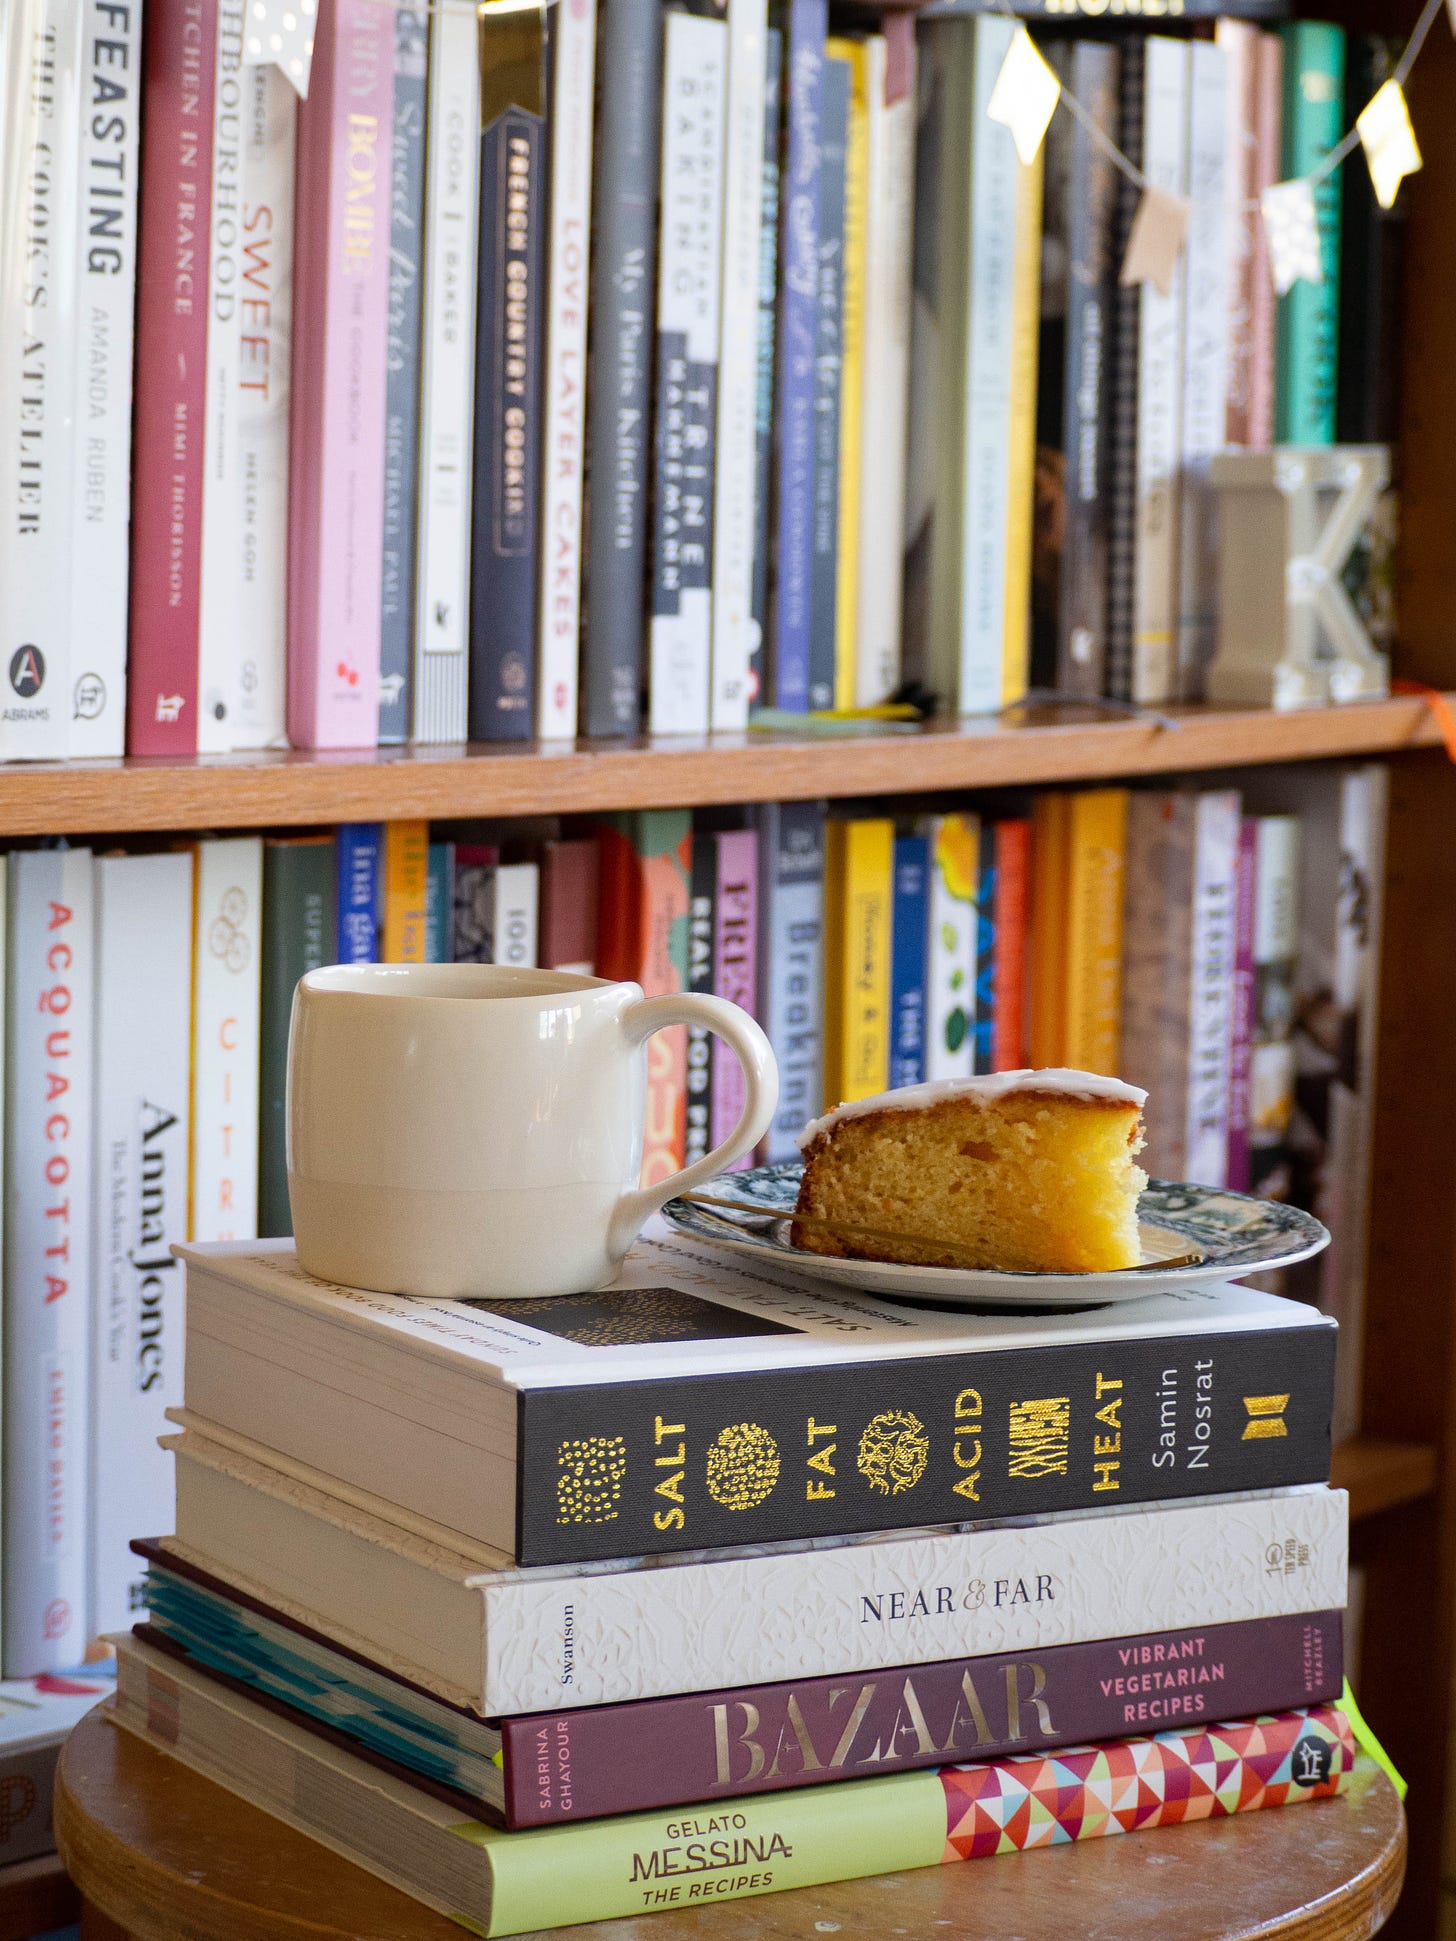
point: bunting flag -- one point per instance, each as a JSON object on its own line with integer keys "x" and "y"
{"x": 1155, "y": 241}
{"x": 1025, "y": 96}
{"x": 1389, "y": 141}
{"x": 281, "y": 32}
{"x": 1292, "y": 227}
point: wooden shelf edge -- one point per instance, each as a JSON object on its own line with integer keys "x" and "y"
{"x": 1382, "y": 1475}
{"x": 1049, "y": 746}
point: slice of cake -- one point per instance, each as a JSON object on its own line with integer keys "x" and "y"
{"x": 1028, "y": 1172}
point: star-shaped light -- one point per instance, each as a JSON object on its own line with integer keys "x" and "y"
{"x": 1025, "y": 96}
{"x": 1389, "y": 141}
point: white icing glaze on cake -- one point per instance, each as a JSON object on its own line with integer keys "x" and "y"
{"x": 990, "y": 1085}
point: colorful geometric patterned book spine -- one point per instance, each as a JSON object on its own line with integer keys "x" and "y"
{"x": 1010, "y": 1805}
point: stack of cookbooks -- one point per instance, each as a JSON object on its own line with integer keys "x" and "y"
{"x": 563, "y": 1609}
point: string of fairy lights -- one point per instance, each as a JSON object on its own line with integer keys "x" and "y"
{"x": 1026, "y": 95}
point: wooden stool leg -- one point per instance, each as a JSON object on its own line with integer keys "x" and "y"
{"x": 96, "y": 1926}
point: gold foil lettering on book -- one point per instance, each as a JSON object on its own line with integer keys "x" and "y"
{"x": 822, "y": 1460}
{"x": 743, "y": 1466}
{"x": 589, "y": 1475}
{"x": 1040, "y": 1437}
{"x": 893, "y": 1451}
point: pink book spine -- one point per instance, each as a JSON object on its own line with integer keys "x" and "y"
{"x": 341, "y": 311}
{"x": 1241, "y": 1049}
{"x": 1270, "y": 65}
{"x": 735, "y": 953}
{"x": 174, "y": 247}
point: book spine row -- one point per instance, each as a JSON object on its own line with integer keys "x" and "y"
{"x": 803, "y": 1839}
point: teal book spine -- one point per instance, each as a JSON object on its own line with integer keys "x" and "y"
{"x": 1308, "y": 356}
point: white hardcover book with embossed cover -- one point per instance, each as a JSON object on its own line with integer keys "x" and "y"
{"x": 455, "y": 1618}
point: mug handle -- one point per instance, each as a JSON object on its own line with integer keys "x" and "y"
{"x": 761, "y": 1078}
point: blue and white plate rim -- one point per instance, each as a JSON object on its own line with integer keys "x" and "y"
{"x": 1233, "y": 1234}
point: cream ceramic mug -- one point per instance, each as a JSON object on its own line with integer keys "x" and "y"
{"x": 475, "y": 1129}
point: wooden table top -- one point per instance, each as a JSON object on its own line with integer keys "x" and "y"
{"x": 169, "y": 1856}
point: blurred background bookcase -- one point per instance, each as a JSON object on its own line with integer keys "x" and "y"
{"x": 1401, "y": 1472}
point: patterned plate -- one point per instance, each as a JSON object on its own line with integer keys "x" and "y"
{"x": 1190, "y": 1235}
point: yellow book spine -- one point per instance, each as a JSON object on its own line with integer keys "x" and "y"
{"x": 851, "y": 366}
{"x": 406, "y": 884}
{"x": 858, "y": 885}
{"x": 1047, "y": 1025}
{"x": 868, "y": 890}
{"x": 1096, "y": 866}
{"x": 1025, "y": 334}
{"x": 835, "y": 844}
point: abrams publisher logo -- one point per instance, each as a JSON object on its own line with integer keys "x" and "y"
{"x": 1311, "y": 1762}
{"x": 27, "y": 671}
